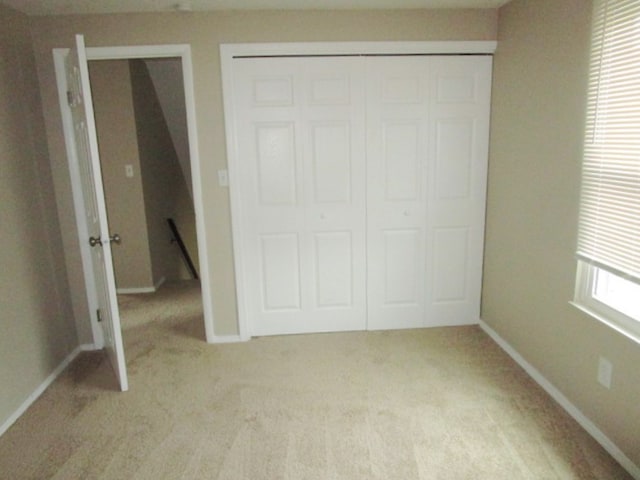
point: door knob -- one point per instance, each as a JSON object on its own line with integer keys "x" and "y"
{"x": 115, "y": 238}
{"x": 93, "y": 241}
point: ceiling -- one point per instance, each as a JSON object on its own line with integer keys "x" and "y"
{"x": 60, "y": 7}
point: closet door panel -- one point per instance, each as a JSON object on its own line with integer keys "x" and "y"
{"x": 459, "y": 132}
{"x": 427, "y": 131}
{"x": 335, "y": 186}
{"x": 301, "y": 147}
{"x": 397, "y": 156}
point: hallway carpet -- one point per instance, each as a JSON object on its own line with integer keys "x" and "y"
{"x": 442, "y": 403}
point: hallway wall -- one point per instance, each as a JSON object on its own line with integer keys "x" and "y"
{"x": 118, "y": 146}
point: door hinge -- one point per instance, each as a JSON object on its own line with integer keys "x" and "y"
{"x": 70, "y": 98}
{"x": 99, "y": 315}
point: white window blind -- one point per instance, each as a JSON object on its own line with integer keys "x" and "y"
{"x": 609, "y": 229}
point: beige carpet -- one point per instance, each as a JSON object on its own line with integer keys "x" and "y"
{"x": 422, "y": 404}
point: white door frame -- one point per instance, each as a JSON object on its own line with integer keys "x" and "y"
{"x": 230, "y": 51}
{"x": 182, "y": 51}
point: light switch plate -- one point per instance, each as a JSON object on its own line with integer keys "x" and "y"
{"x": 128, "y": 171}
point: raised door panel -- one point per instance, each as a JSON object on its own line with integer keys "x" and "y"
{"x": 331, "y": 162}
{"x": 454, "y": 141}
{"x": 280, "y": 273}
{"x": 333, "y": 254}
{"x": 402, "y": 162}
{"x": 456, "y": 87}
{"x": 450, "y": 264}
{"x": 276, "y": 163}
{"x": 327, "y": 87}
{"x": 402, "y": 270}
{"x": 272, "y": 91}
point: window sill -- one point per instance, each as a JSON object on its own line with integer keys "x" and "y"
{"x": 610, "y": 322}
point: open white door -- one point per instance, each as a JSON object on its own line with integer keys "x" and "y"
{"x": 86, "y": 155}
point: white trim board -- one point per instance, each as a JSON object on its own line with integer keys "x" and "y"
{"x": 228, "y": 339}
{"x": 43, "y": 386}
{"x": 183, "y": 51}
{"x": 132, "y": 291}
{"x": 135, "y": 291}
{"x": 358, "y": 48}
{"x": 565, "y": 403}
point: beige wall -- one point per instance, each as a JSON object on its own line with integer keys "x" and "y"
{"x": 166, "y": 74}
{"x": 140, "y": 138}
{"x": 539, "y": 95}
{"x": 185, "y": 219}
{"x": 118, "y": 144}
{"x": 36, "y": 323}
{"x": 204, "y": 32}
{"x": 160, "y": 171}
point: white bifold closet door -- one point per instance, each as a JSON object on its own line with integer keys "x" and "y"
{"x": 301, "y": 145}
{"x": 427, "y": 146}
{"x": 363, "y": 190}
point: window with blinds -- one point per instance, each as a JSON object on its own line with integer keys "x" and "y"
{"x": 609, "y": 229}
{"x": 608, "y": 281}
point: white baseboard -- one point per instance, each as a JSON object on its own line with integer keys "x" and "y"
{"x": 565, "y": 403}
{"x": 132, "y": 291}
{"x": 159, "y": 283}
{"x": 226, "y": 339}
{"x": 42, "y": 387}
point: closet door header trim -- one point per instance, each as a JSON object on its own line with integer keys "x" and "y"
{"x": 229, "y": 51}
